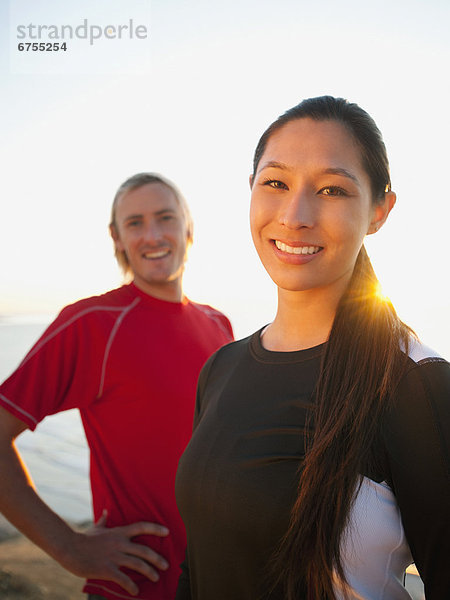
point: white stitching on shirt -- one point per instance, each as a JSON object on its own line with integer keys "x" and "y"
{"x": 391, "y": 554}
{"x": 418, "y": 352}
{"x": 24, "y": 412}
{"x": 110, "y": 341}
{"x": 63, "y": 326}
{"x": 212, "y": 314}
{"x": 431, "y": 359}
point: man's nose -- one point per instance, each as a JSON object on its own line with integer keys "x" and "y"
{"x": 152, "y": 233}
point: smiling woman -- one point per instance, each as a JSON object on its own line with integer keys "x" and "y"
{"x": 313, "y": 206}
{"x": 319, "y": 456}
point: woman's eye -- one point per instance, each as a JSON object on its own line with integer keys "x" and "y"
{"x": 333, "y": 190}
{"x": 276, "y": 184}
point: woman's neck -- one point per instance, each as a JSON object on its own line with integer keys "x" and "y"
{"x": 303, "y": 320}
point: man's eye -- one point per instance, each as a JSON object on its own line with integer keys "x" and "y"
{"x": 276, "y": 184}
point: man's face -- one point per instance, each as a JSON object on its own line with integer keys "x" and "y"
{"x": 150, "y": 228}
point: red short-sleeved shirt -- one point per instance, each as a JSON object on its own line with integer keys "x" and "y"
{"x": 130, "y": 363}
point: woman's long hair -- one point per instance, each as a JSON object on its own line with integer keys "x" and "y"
{"x": 359, "y": 368}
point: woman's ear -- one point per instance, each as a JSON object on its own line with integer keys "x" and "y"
{"x": 381, "y": 211}
{"x": 250, "y": 180}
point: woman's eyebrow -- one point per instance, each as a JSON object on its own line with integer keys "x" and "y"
{"x": 341, "y": 171}
{"x": 276, "y": 165}
{"x": 329, "y": 170}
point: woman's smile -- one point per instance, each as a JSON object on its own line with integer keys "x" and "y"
{"x": 295, "y": 253}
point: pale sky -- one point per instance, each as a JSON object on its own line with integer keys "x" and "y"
{"x": 191, "y": 102}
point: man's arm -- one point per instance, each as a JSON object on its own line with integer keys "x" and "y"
{"x": 98, "y": 553}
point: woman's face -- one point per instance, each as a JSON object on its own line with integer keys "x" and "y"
{"x": 311, "y": 206}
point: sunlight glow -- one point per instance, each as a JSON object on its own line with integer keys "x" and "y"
{"x": 379, "y": 294}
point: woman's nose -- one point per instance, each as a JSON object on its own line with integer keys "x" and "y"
{"x": 298, "y": 210}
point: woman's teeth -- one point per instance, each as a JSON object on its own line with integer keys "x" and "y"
{"x": 296, "y": 249}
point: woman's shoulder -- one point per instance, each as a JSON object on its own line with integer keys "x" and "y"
{"x": 427, "y": 374}
{"x": 228, "y": 354}
{"x": 233, "y": 350}
{"x": 422, "y": 393}
{"x": 419, "y": 353}
{"x": 224, "y": 360}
